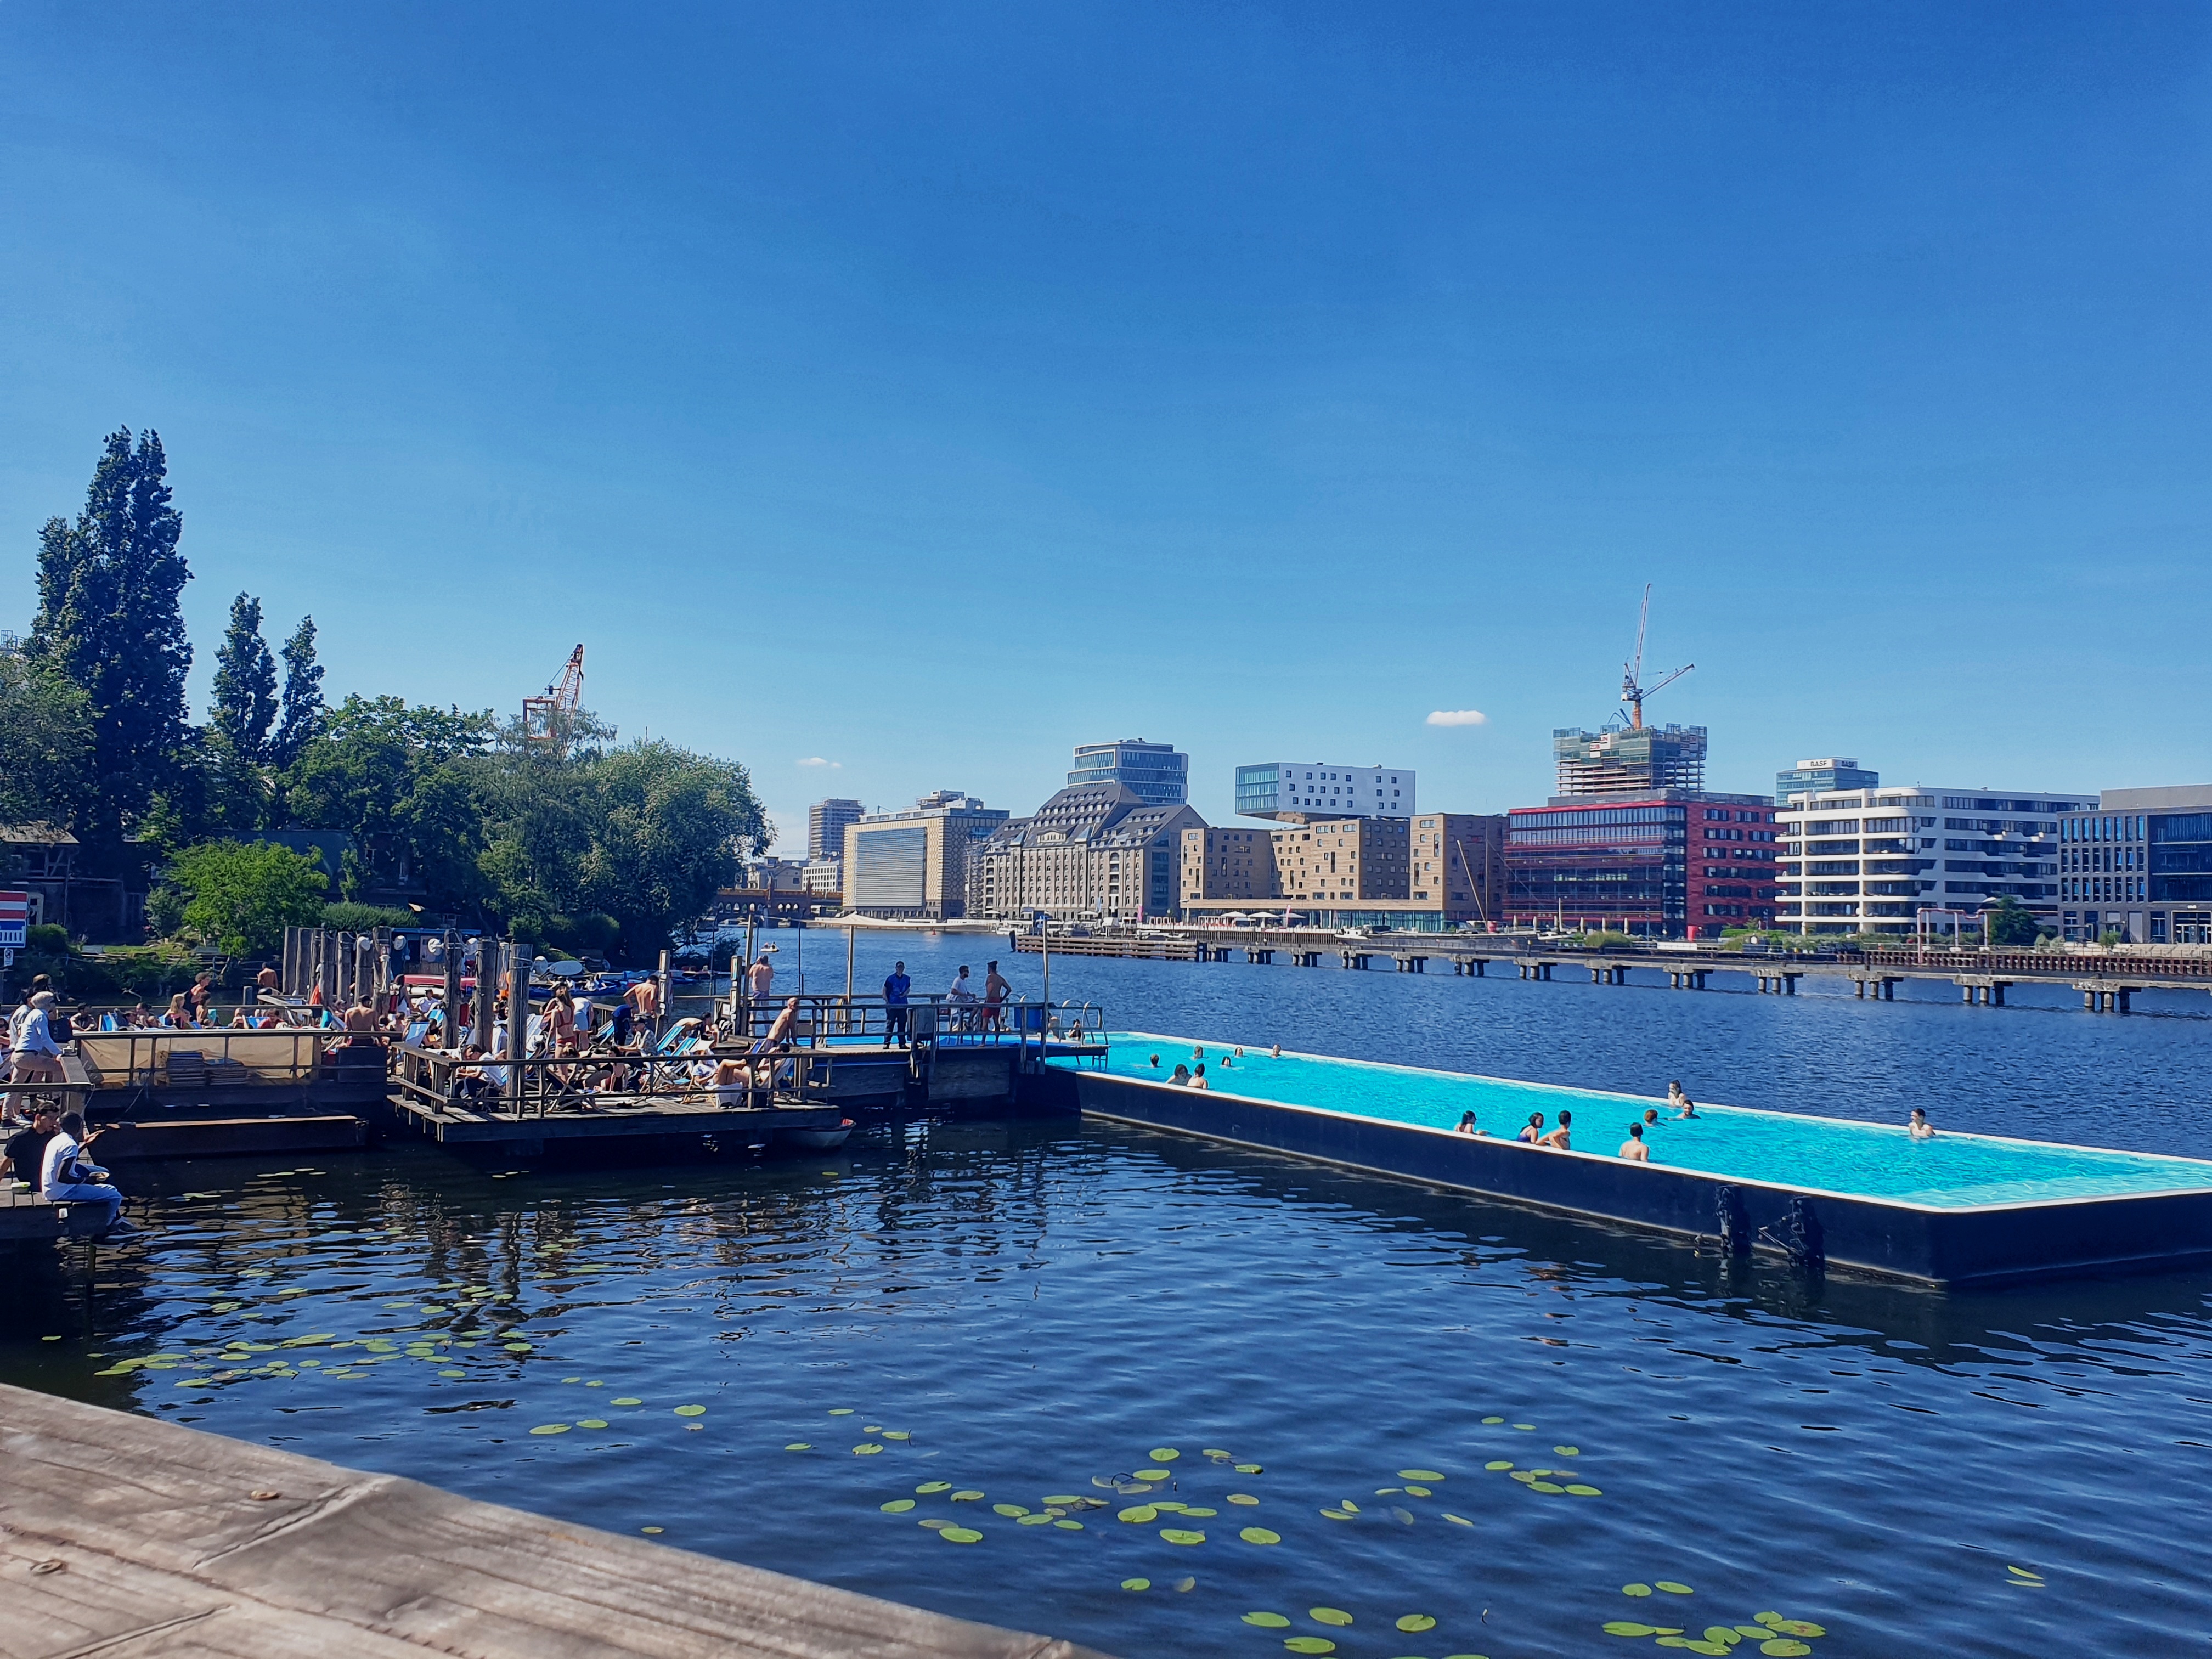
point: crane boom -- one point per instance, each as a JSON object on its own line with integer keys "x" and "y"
{"x": 1633, "y": 691}
{"x": 545, "y": 718}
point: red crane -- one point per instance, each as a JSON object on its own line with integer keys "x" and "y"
{"x": 546, "y": 719}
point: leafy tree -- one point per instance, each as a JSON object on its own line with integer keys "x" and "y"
{"x": 46, "y": 742}
{"x": 362, "y": 768}
{"x": 303, "y": 696}
{"x": 109, "y": 621}
{"x": 672, "y": 827}
{"x": 242, "y": 895}
{"x": 245, "y": 684}
{"x": 2009, "y": 923}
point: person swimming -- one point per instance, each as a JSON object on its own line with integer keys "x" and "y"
{"x": 1156, "y": 1062}
{"x": 1533, "y": 1131}
{"x": 1198, "y": 1079}
{"x": 1182, "y": 1078}
{"x": 1559, "y": 1137}
{"x": 1633, "y": 1148}
{"x": 1466, "y": 1124}
{"x": 1652, "y": 1116}
{"x": 1679, "y": 1099}
{"x": 1275, "y": 1053}
{"x": 1920, "y": 1128}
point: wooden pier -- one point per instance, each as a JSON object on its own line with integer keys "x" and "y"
{"x": 130, "y": 1538}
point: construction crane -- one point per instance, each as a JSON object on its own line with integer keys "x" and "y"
{"x": 1632, "y": 689}
{"x": 547, "y": 720}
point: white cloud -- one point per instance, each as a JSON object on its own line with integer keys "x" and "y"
{"x": 816, "y": 760}
{"x": 1458, "y": 717}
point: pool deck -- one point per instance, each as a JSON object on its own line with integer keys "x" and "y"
{"x": 127, "y": 1537}
{"x": 1960, "y": 1247}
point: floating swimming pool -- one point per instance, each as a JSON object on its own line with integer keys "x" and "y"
{"x": 1959, "y": 1208}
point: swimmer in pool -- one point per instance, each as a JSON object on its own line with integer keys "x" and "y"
{"x": 1198, "y": 1079}
{"x": 1533, "y": 1131}
{"x": 1920, "y": 1128}
{"x": 1559, "y": 1137}
{"x": 1156, "y": 1062}
{"x": 1652, "y": 1116}
{"x": 1633, "y": 1148}
{"x": 1466, "y": 1124}
{"x": 1182, "y": 1078}
{"x": 1275, "y": 1053}
{"x": 1683, "y": 1105}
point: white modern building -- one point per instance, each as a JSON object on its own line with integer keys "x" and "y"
{"x": 1869, "y": 860}
{"x": 1300, "y": 791}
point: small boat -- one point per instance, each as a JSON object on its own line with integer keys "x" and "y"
{"x": 817, "y": 1141}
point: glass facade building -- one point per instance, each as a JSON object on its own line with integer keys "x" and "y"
{"x": 1665, "y": 866}
{"x": 1158, "y": 773}
{"x": 2142, "y": 873}
{"x": 1307, "y": 790}
{"x": 1817, "y": 777}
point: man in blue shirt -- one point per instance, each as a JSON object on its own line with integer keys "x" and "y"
{"x": 895, "y": 1010}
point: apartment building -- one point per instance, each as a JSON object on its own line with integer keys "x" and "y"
{"x": 825, "y": 826}
{"x": 1860, "y": 861}
{"x": 1298, "y": 791}
{"x": 1423, "y": 874}
{"x": 2139, "y": 865}
{"x": 1094, "y": 851}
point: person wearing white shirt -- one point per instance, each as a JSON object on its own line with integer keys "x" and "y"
{"x": 67, "y": 1176}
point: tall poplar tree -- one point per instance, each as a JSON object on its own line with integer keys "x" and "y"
{"x": 110, "y": 622}
{"x": 245, "y": 684}
{"x": 303, "y": 696}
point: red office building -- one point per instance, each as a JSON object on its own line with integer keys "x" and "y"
{"x": 1670, "y": 863}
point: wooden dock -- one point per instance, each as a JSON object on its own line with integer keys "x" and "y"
{"x": 614, "y": 1118}
{"x": 130, "y": 1537}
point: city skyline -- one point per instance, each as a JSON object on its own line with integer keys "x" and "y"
{"x": 872, "y": 383}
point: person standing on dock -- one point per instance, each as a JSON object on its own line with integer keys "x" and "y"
{"x": 995, "y": 992}
{"x": 962, "y": 997}
{"x": 896, "y": 989}
{"x": 644, "y": 999}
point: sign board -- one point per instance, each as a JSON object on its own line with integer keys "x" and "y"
{"x": 14, "y": 918}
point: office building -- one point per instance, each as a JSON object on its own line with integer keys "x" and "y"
{"x": 1423, "y": 874}
{"x": 1160, "y": 776}
{"x": 1093, "y": 852}
{"x": 823, "y": 876}
{"x": 1683, "y": 863}
{"x": 914, "y": 864}
{"x": 1869, "y": 861}
{"x": 1822, "y": 777}
{"x": 2140, "y": 867}
{"x": 1300, "y": 791}
{"x": 825, "y": 826}
{"x": 1628, "y": 760}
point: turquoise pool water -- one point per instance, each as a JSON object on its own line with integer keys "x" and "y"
{"x": 1822, "y": 1154}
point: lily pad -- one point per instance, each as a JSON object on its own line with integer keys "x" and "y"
{"x": 1062, "y": 1497}
{"x": 1672, "y": 1587}
{"x": 1167, "y": 1506}
{"x": 1012, "y": 1511}
{"x": 1629, "y": 1627}
{"x": 1260, "y": 1535}
{"x": 1757, "y": 1632}
{"x": 1457, "y": 1519}
{"x": 1636, "y": 1590}
{"x": 690, "y": 1411}
{"x": 1069, "y": 1526}
{"x": 1328, "y": 1616}
{"x": 1493, "y": 1419}
{"x": 1340, "y": 1515}
{"x": 971, "y": 1495}
{"x": 871, "y": 1428}
{"x": 936, "y": 1523}
{"x": 1800, "y": 1627}
{"x": 800, "y": 1445}
{"x": 1500, "y": 1464}
{"x": 960, "y": 1535}
{"x": 840, "y": 1411}
{"x": 1136, "y": 1583}
{"x": 1551, "y": 1486}
{"x": 1163, "y": 1454}
{"x": 591, "y": 1422}
{"x": 2025, "y": 1573}
{"x": 1785, "y": 1647}
{"x": 1152, "y": 1474}
{"x": 1724, "y": 1634}
{"x": 866, "y": 1449}
{"x": 1419, "y": 1492}
{"x": 1197, "y": 1514}
{"x": 1241, "y": 1498}
{"x": 551, "y": 1428}
{"x": 1568, "y": 1451}
{"x": 897, "y": 1506}
{"x": 440, "y": 1373}
{"x": 1579, "y": 1489}
{"x": 653, "y": 1529}
{"x": 1247, "y": 1468}
{"x": 1526, "y": 1428}
{"x": 1419, "y": 1474}
{"x": 1138, "y": 1514}
{"x": 1413, "y": 1623}
{"x": 934, "y": 1485}
{"x": 1182, "y": 1536}
{"x": 1309, "y": 1644}
{"x": 896, "y": 1434}
{"x": 1268, "y": 1620}
{"x": 1034, "y": 1521}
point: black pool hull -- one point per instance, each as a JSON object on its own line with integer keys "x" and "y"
{"x": 1956, "y": 1248}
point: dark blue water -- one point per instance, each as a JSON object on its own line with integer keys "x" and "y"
{"x": 1040, "y": 1307}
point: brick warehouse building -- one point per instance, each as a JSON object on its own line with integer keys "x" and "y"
{"x": 1669, "y": 864}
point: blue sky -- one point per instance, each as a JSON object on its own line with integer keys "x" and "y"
{"x": 926, "y": 389}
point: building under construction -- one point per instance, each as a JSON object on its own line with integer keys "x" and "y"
{"x": 1638, "y": 760}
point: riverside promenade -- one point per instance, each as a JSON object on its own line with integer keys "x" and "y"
{"x": 127, "y": 1537}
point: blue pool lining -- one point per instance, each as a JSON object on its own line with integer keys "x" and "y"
{"x": 1643, "y": 1102}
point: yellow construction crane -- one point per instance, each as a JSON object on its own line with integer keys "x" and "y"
{"x": 547, "y": 720}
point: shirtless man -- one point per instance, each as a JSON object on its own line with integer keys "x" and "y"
{"x": 1198, "y": 1078}
{"x": 361, "y": 1023}
{"x": 1559, "y": 1137}
{"x": 1920, "y": 1128}
{"x": 995, "y": 992}
{"x": 1633, "y": 1148}
{"x": 644, "y": 999}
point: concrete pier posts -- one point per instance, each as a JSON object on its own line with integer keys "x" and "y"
{"x": 1257, "y": 954}
{"x": 1687, "y": 979}
{"x": 1985, "y": 988}
{"x": 1536, "y": 969}
{"x": 1409, "y": 964}
{"x": 2098, "y": 997}
{"x": 1470, "y": 965}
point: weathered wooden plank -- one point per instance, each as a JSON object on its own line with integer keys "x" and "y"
{"x": 165, "y": 1548}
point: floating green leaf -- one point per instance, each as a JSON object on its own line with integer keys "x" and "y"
{"x": 1241, "y": 1498}
{"x": 1672, "y": 1587}
{"x": 1247, "y": 1468}
{"x": 1568, "y": 1451}
{"x": 1182, "y": 1536}
{"x": 1493, "y": 1419}
{"x": 1526, "y": 1428}
{"x": 1757, "y": 1632}
{"x": 1195, "y": 1513}
{"x": 1339, "y": 1515}
{"x": 1419, "y": 1492}
{"x": 840, "y": 1411}
{"x": 1151, "y": 1474}
{"x": 866, "y": 1449}
{"x": 2025, "y": 1573}
{"x": 871, "y": 1428}
{"x": 1009, "y": 1511}
{"x": 517, "y": 1347}
{"x": 934, "y": 1485}
{"x": 690, "y": 1411}
{"x": 1069, "y": 1526}
{"x": 1163, "y": 1454}
{"x": 897, "y": 1506}
{"x": 1457, "y": 1519}
{"x": 1413, "y": 1623}
{"x": 935, "y": 1524}
{"x": 1785, "y": 1647}
{"x": 591, "y": 1423}
{"x": 1214, "y": 1451}
{"x": 1419, "y": 1474}
{"x": 551, "y": 1428}
{"x": 1034, "y": 1521}
{"x": 1260, "y": 1535}
{"x": 1578, "y": 1490}
{"x": 1500, "y": 1464}
{"x": 800, "y": 1445}
{"x": 1636, "y": 1590}
{"x": 1268, "y": 1620}
{"x": 1136, "y": 1583}
{"x": 960, "y": 1535}
{"x": 1551, "y": 1486}
{"x": 1328, "y": 1616}
{"x": 1063, "y": 1497}
{"x": 1629, "y": 1627}
{"x": 1309, "y": 1644}
{"x": 1138, "y": 1514}
{"x": 627, "y": 1399}
{"x": 440, "y": 1373}
{"x": 1800, "y": 1627}
{"x": 896, "y": 1434}
{"x": 1168, "y": 1507}
{"x": 653, "y": 1529}
{"x": 971, "y": 1495}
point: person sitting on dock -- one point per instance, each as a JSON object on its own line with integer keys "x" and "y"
{"x": 896, "y": 987}
{"x": 1679, "y": 1099}
{"x": 1533, "y": 1130}
{"x": 361, "y": 1023}
{"x": 67, "y": 1177}
{"x": 733, "y": 1083}
{"x": 1920, "y": 1128}
{"x": 1559, "y": 1139}
{"x": 1182, "y": 1078}
{"x": 179, "y": 1016}
{"x": 25, "y": 1156}
{"x": 1633, "y": 1148}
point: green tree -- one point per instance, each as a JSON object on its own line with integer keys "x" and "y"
{"x": 109, "y": 621}
{"x": 2009, "y": 923}
{"x": 240, "y": 896}
{"x": 245, "y": 684}
{"x": 672, "y": 826}
{"x": 362, "y": 768}
{"x": 46, "y": 742}
{"x": 303, "y": 696}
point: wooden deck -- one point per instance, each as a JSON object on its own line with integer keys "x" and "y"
{"x": 130, "y": 1538}
{"x": 637, "y": 1114}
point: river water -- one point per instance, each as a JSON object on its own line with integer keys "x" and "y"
{"x": 1037, "y": 1311}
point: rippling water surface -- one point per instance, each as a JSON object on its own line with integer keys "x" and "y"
{"x": 1026, "y": 1310}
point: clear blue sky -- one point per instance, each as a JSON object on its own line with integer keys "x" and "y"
{"x": 926, "y": 389}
